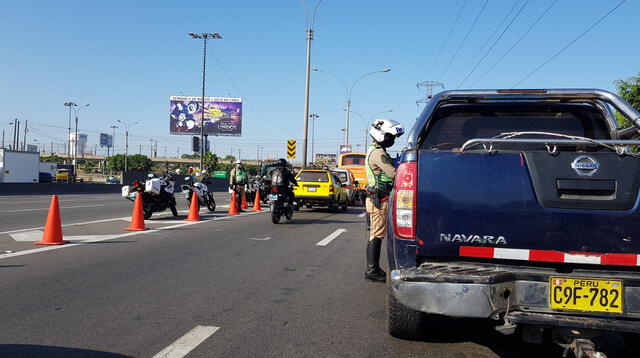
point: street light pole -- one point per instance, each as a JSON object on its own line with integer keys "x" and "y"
{"x": 310, "y": 30}
{"x": 126, "y": 143}
{"x": 3, "y": 129}
{"x": 313, "y": 134}
{"x": 205, "y": 36}
{"x": 113, "y": 140}
{"x": 75, "y": 136}
{"x": 348, "y": 92}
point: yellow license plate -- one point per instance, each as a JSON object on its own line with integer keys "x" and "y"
{"x": 587, "y": 295}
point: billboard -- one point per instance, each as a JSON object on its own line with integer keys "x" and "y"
{"x": 326, "y": 158}
{"x": 106, "y": 140}
{"x": 222, "y": 115}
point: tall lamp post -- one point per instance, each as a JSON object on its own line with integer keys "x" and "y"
{"x": 348, "y": 92}
{"x": 126, "y": 143}
{"x": 310, "y": 30}
{"x": 75, "y": 136}
{"x": 3, "y": 129}
{"x": 113, "y": 140}
{"x": 204, "y": 36}
{"x": 313, "y": 134}
{"x": 69, "y": 104}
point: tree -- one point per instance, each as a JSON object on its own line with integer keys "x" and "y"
{"x": 629, "y": 90}
{"x": 230, "y": 158}
{"x": 190, "y": 156}
{"x": 51, "y": 159}
{"x": 89, "y": 166}
{"x": 210, "y": 162}
{"x": 134, "y": 162}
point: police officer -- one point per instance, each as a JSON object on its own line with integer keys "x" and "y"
{"x": 237, "y": 182}
{"x": 380, "y": 174}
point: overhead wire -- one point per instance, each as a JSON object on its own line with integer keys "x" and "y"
{"x": 517, "y": 42}
{"x": 495, "y": 31}
{"x": 463, "y": 40}
{"x": 569, "y": 44}
{"x": 444, "y": 44}
{"x": 494, "y": 43}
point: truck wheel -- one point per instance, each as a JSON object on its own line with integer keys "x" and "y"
{"x": 403, "y": 322}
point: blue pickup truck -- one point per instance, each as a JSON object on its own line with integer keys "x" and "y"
{"x": 519, "y": 206}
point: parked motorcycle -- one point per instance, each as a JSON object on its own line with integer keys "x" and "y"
{"x": 205, "y": 197}
{"x": 157, "y": 194}
{"x": 279, "y": 205}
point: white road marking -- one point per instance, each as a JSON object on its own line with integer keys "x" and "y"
{"x": 187, "y": 343}
{"x": 330, "y": 238}
{"x": 362, "y": 214}
{"x": 62, "y": 207}
{"x": 258, "y": 239}
{"x": 98, "y": 238}
{"x": 32, "y": 236}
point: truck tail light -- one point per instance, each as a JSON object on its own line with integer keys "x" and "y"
{"x": 404, "y": 200}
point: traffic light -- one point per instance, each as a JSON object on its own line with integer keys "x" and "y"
{"x": 195, "y": 144}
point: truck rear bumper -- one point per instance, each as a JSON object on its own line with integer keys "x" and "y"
{"x": 483, "y": 291}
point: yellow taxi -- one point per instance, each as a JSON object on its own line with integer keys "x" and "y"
{"x": 320, "y": 187}
{"x": 62, "y": 175}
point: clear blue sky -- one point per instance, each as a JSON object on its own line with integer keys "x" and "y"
{"x": 126, "y": 58}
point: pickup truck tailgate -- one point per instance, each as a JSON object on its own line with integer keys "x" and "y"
{"x": 528, "y": 206}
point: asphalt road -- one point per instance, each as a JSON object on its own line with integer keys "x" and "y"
{"x": 242, "y": 287}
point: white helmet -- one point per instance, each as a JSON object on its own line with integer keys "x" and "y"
{"x": 238, "y": 161}
{"x": 380, "y": 127}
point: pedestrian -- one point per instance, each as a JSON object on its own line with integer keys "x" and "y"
{"x": 237, "y": 182}
{"x": 380, "y": 174}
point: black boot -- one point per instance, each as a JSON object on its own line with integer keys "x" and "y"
{"x": 374, "y": 272}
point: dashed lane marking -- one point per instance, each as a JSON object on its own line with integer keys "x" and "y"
{"x": 187, "y": 343}
{"x": 362, "y": 214}
{"x": 330, "y": 238}
{"x": 260, "y": 239}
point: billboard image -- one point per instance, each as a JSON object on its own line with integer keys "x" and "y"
{"x": 222, "y": 115}
{"x": 106, "y": 140}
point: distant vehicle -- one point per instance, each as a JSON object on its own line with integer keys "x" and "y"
{"x": 45, "y": 177}
{"x": 320, "y": 187}
{"x": 355, "y": 163}
{"x": 354, "y": 193}
{"x": 519, "y": 206}
{"x": 62, "y": 175}
{"x": 18, "y": 166}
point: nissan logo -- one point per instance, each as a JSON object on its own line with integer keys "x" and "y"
{"x": 585, "y": 165}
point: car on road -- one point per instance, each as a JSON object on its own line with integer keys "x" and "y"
{"x": 519, "y": 206}
{"x": 44, "y": 177}
{"x": 320, "y": 187}
{"x": 62, "y": 175}
{"x": 354, "y": 194}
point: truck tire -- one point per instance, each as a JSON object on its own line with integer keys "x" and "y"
{"x": 403, "y": 322}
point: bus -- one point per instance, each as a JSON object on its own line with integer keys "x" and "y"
{"x": 355, "y": 163}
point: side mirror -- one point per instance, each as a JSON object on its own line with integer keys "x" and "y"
{"x": 150, "y": 175}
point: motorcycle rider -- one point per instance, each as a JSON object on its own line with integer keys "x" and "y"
{"x": 380, "y": 174}
{"x": 287, "y": 178}
{"x": 237, "y": 182}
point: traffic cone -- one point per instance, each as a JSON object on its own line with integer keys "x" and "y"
{"x": 137, "y": 216}
{"x": 194, "y": 209}
{"x": 244, "y": 204}
{"x": 256, "y": 202}
{"x": 233, "y": 206}
{"x": 53, "y": 228}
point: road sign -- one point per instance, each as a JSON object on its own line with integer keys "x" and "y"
{"x": 106, "y": 140}
{"x": 291, "y": 148}
{"x": 345, "y": 148}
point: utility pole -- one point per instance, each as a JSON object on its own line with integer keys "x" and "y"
{"x": 16, "y": 135}
{"x": 69, "y": 104}
{"x": 429, "y": 85}
{"x": 205, "y": 36}
{"x": 151, "y": 149}
{"x": 313, "y": 133}
{"x": 310, "y": 30}
{"x": 155, "y": 151}
{"x": 24, "y": 141}
{"x": 113, "y": 140}
{"x": 126, "y": 143}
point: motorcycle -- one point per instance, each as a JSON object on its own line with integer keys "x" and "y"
{"x": 205, "y": 197}
{"x": 157, "y": 194}
{"x": 279, "y": 205}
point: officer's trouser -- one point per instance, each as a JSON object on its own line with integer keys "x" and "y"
{"x": 378, "y": 218}
{"x": 239, "y": 189}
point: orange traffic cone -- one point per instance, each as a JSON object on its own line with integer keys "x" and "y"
{"x": 233, "y": 206}
{"x": 53, "y": 228}
{"x": 256, "y": 202}
{"x": 137, "y": 216}
{"x": 194, "y": 209}
{"x": 244, "y": 204}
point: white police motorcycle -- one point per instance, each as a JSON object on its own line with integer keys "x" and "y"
{"x": 157, "y": 194}
{"x": 205, "y": 197}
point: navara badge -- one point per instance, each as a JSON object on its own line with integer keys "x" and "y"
{"x": 585, "y": 165}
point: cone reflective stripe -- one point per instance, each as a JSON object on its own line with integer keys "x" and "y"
{"x": 256, "y": 202}
{"x": 233, "y": 206}
{"x": 244, "y": 204}
{"x": 194, "y": 209}
{"x": 53, "y": 228}
{"x": 137, "y": 216}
